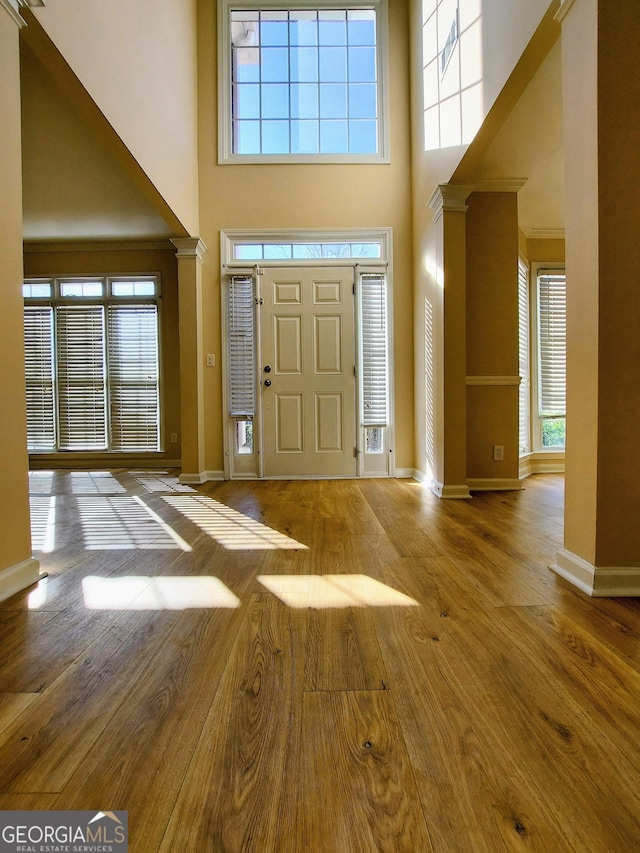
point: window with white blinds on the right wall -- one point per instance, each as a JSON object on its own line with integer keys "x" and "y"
{"x": 374, "y": 372}
{"x": 374, "y": 350}
{"x": 551, "y": 328}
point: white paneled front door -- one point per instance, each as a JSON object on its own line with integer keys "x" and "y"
{"x": 307, "y": 364}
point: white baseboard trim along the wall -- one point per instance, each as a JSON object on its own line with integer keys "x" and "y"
{"x": 541, "y": 462}
{"x": 599, "y": 582}
{"x": 494, "y": 484}
{"x": 191, "y": 479}
{"x": 450, "y": 492}
{"x": 19, "y": 577}
{"x": 213, "y": 476}
{"x": 199, "y": 478}
{"x": 409, "y": 474}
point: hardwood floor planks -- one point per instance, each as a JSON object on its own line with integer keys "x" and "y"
{"x": 237, "y": 794}
{"x": 145, "y": 749}
{"x": 343, "y": 651}
{"x": 351, "y": 506}
{"x": 586, "y": 670}
{"x": 357, "y": 788}
{"x": 42, "y": 645}
{"x": 500, "y": 704}
{"x": 554, "y": 750}
{"x": 331, "y": 551}
{"x": 42, "y": 750}
{"x": 516, "y": 716}
{"x": 28, "y": 802}
{"x": 613, "y": 624}
{"x": 372, "y": 554}
{"x": 12, "y": 705}
{"x": 459, "y": 789}
{"x": 478, "y": 791}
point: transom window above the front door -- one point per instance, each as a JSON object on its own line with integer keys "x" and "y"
{"x": 301, "y": 248}
{"x": 302, "y": 84}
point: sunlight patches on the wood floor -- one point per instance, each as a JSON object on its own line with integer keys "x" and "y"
{"x": 162, "y": 593}
{"x": 334, "y": 591}
{"x": 230, "y": 528}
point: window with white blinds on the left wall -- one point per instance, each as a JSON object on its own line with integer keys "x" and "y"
{"x": 38, "y": 333}
{"x": 242, "y": 351}
{"x": 92, "y": 364}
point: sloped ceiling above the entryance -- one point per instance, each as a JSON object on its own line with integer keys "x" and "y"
{"x": 73, "y": 189}
{"x": 530, "y": 144}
